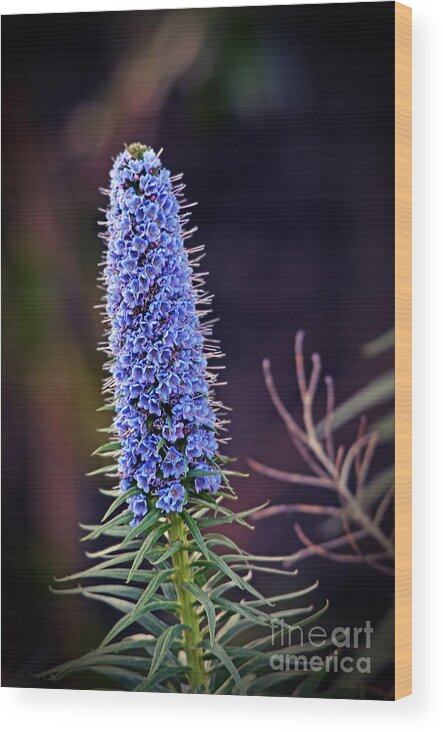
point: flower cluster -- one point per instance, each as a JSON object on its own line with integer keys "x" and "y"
{"x": 164, "y": 417}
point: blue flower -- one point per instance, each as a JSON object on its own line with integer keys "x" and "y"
{"x": 174, "y": 464}
{"x": 171, "y": 497}
{"x": 210, "y": 480}
{"x": 165, "y": 420}
{"x": 139, "y": 507}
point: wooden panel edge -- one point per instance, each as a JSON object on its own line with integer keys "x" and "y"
{"x": 403, "y": 351}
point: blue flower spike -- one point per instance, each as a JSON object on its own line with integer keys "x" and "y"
{"x": 160, "y": 386}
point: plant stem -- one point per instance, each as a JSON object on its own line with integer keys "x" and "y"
{"x": 192, "y": 637}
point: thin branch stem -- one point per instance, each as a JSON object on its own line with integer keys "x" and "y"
{"x": 287, "y": 477}
{"x": 321, "y": 551}
{"x": 297, "y": 508}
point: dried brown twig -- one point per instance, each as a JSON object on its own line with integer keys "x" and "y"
{"x": 342, "y": 470}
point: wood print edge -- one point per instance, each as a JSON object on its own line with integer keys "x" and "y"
{"x": 403, "y": 348}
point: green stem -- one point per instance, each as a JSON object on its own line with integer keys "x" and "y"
{"x": 192, "y": 638}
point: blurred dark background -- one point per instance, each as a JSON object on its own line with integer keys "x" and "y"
{"x": 282, "y": 120}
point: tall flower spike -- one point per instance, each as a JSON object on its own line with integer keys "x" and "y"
{"x": 160, "y": 387}
{"x": 165, "y": 428}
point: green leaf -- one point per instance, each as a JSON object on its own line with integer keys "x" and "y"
{"x": 256, "y": 617}
{"x": 121, "y": 498}
{"x": 285, "y": 597}
{"x": 222, "y": 540}
{"x": 204, "y": 600}
{"x": 105, "y": 469}
{"x": 167, "y": 672}
{"x": 383, "y": 343}
{"x": 162, "y": 647}
{"x": 106, "y": 408}
{"x": 145, "y": 548}
{"x": 130, "y": 593}
{"x": 148, "y": 522}
{"x": 109, "y": 447}
{"x": 165, "y": 555}
{"x": 377, "y": 487}
{"x": 385, "y": 427}
{"x": 150, "y": 590}
{"x": 379, "y": 391}
{"x": 148, "y": 621}
{"x": 122, "y": 677}
{"x": 259, "y": 568}
{"x": 221, "y": 654}
{"x": 215, "y": 559}
{"x": 122, "y": 518}
{"x": 116, "y": 573}
{"x": 93, "y": 571}
{"x": 117, "y": 532}
{"x": 123, "y": 623}
{"x": 135, "y": 663}
{"x": 232, "y": 517}
{"x": 112, "y": 551}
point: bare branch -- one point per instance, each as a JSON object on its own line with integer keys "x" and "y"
{"x": 299, "y": 362}
{"x": 330, "y": 399}
{"x": 332, "y": 469}
{"x": 364, "y": 468}
{"x": 330, "y": 544}
{"x": 297, "y": 508}
{"x": 290, "y": 477}
{"x": 321, "y": 551}
{"x": 297, "y": 435}
{"x": 383, "y": 506}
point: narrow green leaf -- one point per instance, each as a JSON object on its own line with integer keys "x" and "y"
{"x": 165, "y": 555}
{"x": 213, "y": 539}
{"x": 122, "y": 624}
{"x": 148, "y": 522}
{"x": 130, "y": 593}
{"x": 385, "y": 427}
{"x": 91, "y": 571}
{"x": 150, "y": 590}
{"x": 377, "y": 487}
{"x": 113, "y": 550}
{"x": 255, "y": 616}
{"x": 109, "y": 447}
{"x": 259, "y": 568}
{"x": 232, "y": 517}
{"x": 379, "y": 391}
{"x": 117, "y": 532}
{"x": 116, "y": 573}
{"x": 221, "y": 654}
{"x": 218, "y": 561}
{"x": 381, "y": 344}
{"x": 145, "y": 548}
{"x": 285, "y": 597}
{"x": 117, "y": 521}
{"x": 135, "y": 663}
{"x": 166, "y": 672}
{"x": 162, "y": 647}
{"x": 147, "y": 620}
{"x": 121, "y": 498}
{"x": 105, "y": 469}
{"x": 122, "y": 677}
